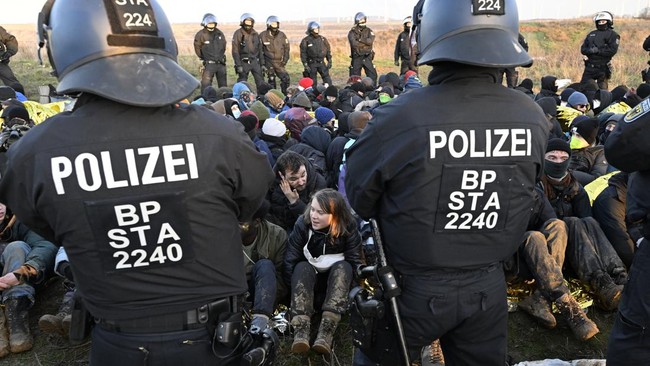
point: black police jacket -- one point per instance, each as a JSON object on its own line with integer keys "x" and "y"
{"x": 146, "y": 202}
{"x": 403, "y": 47}
{"x": 605, "y": 42}
{"x": 449, "y": 171}
{"x": 210, "y": 46}
{"x": 275, "y": 48}
{"x": 246, "y": 47}
{"x": 315, "y": 49}
{"x": 361, "y": 40}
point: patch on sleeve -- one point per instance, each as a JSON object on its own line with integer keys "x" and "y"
{"x": 474, "y": 198}
{"x": 139, "y": 233}
{"x": 638, "y": 111}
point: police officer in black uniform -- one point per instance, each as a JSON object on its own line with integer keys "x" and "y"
{"x": 247, "y": 51}
{"x": 8, "y": 48}
{"x": 403, "y": 48}
{"x": 627, "y": 149}
{"x": 598, "y": 48}
{"x": 449, "y": 171}
{"x": 512, "y": 75}
{"x": 361, "y": 40}
{"x": 276, "y": 53}
{"x": 210, "y": 46}
{"x": 316, "y": 55}
{"x": 145, "y": 197}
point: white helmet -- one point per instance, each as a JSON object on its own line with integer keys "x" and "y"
{"x": 604, "y": 15}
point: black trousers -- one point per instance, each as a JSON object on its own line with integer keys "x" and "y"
{"x": 254, "y": 68}
{"x": 598, "y": 72}
{"x": 209, "y": 73}
{"x": 629, "y": 341}
{"x": 277, "y": 70}
{"x": 6, "y": 74}
{"x": 319, "y": 68}
{"x": 609, "y": 211}
{"x": 365, "y": 63}
{"x": 465, "y": 309}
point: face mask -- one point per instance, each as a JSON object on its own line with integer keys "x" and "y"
{"x": 236, "y": 113}
{"x": 556, "y": 170}
{"x": 384, "y": 98}
{"x": 211, "y": 27}
{"x": 315, "y": 31}
{"x": 362, "y": 25}
{"x": 578, "y": 143}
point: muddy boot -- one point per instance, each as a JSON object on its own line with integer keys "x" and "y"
{"x": 301, "y": 325}
{"x": 432, "y": 354}
{"x": 581, "y": 326}
{"x": 49, "y": 323}
{"x": 4, "y": 335}
{"x": 619, "y": 275}
{"x": 607, "y": 293}
{"x": 17, "y": 311}
{"x": 328, "y": 324}
{"x": 539, "y": 308}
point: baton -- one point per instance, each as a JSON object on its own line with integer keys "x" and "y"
{"x": 391, "y": 290}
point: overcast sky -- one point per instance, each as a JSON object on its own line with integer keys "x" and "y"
{"x": 191, "y": 11}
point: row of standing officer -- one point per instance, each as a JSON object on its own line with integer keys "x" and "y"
{"x": 268, "y": 52}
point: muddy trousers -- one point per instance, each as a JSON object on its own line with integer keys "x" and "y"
{"x": 212, "y": 70}
{"x": 188, "y": 347}
{"x": 263, "y": 287}
{"x": 364, "y": 63}
{"x": 629, "y": 341}
{"x": 543, "y": 252}
{"x": 599, "y": 72}
{"x": 306, "y": 282}
{"x": 588, "y": 250}
{"x": 512, "y": 77}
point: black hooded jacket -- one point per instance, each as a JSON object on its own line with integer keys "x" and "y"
{"x": 548, "y": 89}
{"x": 313, "y": 145}
{"x": 550, "y": 108}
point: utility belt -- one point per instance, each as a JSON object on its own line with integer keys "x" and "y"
{"x": 203, "y": 316}
{"x": 215, "y": 62}
{"x": 314, "y": 61}
{"x": 248, "y": 60}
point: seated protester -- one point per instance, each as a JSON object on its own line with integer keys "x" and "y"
{"x": 393, "y": 79}
{"x": 548, "y": 89}
{"x": 550, "y": 109}
{"x": 588, "y": 160}
{"x": 264, "y": 245}
{"x": 232, "y": 109}
{"x": 343, "y": 126}
{"x": 590, "y": 254}
{"x": 274, "y": 102}
{"x": 642, "y": 91}
{"x": 296, "y": 119}
{"x": 609, "y": 210}
{"x": 260, "y": 111}
{"x": 619, "y": 103}
{"x": 295, "y": 181}
{"x": 576, "y": 105}
{"x": 262, "y": 89}
{"x": 241, "y": 92}
{"x": 274, "y": 133}
{"x": 607, "y": 122}
{"x": 60, "y": 323}
{"x": 351, "y": 96}
{"x": 602, "y": 100}
{"x": 208, "y": 95}
{"x": 330, "y": 99}
{"x": 327, "y": 228}
{"x": 356, "y": 121}
{"x": 526, "y": 87}
{"x": 565, "y": 94}
{"x": 301, "y": 100}
{"x": 325, "y": 118}
{"x": 250, "y": 122}
{"x": 219, "y": 107}
{"x": 379, "y": 97}
{"x": 313, "y": 146}
{"x": 25, "y": 261}
{"x": 542, "y": 255}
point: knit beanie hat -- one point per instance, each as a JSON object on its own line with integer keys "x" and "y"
{"x": 566, "y": 93}
{"x": 264, "y": 88}
{"x": 643, "y": 90}
{"x": 408, "y": 74}
{"x": 587, "y": 128}
{"x": 576, "y": 99}
{"x": 323, "y": 115}
{"x": 331, "y": 91}
{"x": 278, "y": 93}
{"x": 249, "y": 120}
{"x": 260, "y": 110}
{"x": 219, "y": 107}
{"x": 273, "y": 127}
{"x": 306, "y": 83}
{"x": 302, "y": 100}
{"x": 354, "y": 79}
{"x": 274, "y": 100}
{"x": 618, "y": 93}
{"x": 358, "y": 87}
{"x": 558, "y": 144}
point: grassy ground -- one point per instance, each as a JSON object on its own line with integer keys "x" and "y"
{"x": 554, "y": 46}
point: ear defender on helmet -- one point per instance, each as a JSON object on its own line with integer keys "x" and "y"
{"x": 118, "y": 49}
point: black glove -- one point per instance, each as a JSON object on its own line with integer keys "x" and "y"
{"x": 329, "y": 65}
{"x": 66, "y": 270}
{"x": 264, "y": 69}
{"x": 593, "y": 50}
{"x": 239, "y": 69}
{"x": 396, "y": 63}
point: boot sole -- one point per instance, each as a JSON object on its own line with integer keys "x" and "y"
{"x": 299, "y": 347}
{"x": 50, "y": 327}
{"x": 321, "y": 348}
